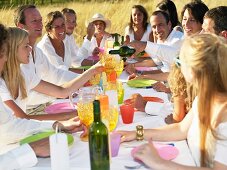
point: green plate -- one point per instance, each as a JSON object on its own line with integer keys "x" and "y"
{"x": 139, "y": 83}
{"x": 42, "y": 135}
{"x": 83, "y": 67}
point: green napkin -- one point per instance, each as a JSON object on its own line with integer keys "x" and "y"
{"x": 42, "y": 135}
{"x": 139, "y": 83}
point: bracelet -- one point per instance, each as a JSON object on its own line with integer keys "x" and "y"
{"x": 139, "y": 132}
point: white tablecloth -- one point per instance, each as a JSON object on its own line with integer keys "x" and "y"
{"x": 79, "y": 152}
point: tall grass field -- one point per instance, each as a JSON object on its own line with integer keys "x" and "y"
{"x": 117, "y": 11}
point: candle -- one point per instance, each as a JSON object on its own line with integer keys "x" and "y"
{"x": 59, "y": 152}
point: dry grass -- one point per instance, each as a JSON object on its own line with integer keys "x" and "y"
{"x": 117, "y": 12}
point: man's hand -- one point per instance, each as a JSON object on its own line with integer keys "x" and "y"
{"x": 138, "y": 45}
{"x": 41, "y": 147}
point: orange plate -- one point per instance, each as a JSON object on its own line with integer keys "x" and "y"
{"x": 153, "y": 99}
{"x": 149, "y": 99}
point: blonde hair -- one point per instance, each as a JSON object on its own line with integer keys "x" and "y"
{"x": 179, "y": 87}
{"x": 205, "y": 54}
{"x": 11, "y": 71}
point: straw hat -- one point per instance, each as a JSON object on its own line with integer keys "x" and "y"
{"x": 100, "y": 17}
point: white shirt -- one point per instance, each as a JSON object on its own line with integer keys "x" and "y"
{"x": 145, "y": 36}
{"x": 90, "y": 45}
{"x": 14, "y": 129}
{"x": 46, "y": 46}
{"x": 20, "y": 157}
{"x": 217, "y": 149}
{"x": 167, "y": 54}
{"x": 31, "y": 81}
{"x": 47, "y": 72}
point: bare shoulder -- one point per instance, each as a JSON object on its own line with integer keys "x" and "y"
{"x": 221, "y": 109}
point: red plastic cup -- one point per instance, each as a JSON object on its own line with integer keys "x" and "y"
{"x": 127, "y": 113}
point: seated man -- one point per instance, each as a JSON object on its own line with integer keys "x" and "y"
{"x": 164, "y": 33}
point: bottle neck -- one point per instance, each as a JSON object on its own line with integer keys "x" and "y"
{"x": 97, "y": 113}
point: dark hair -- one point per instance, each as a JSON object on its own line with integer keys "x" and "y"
{"x": 19, "y": 16}
{"x": 50, "y": 19}
{"x": 68, "y": 10}
{"x": 3, "y": 38}
{"x": 219, "y": 16}
{"x": 168, "y": 5}
{"x": 165, "y": 15}
{"x": 145, "y": 15}
{"x": 197, "y": 9}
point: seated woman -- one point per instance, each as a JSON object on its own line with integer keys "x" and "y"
{"x": 169, "y": 7}
{"x": 14, "y": 129}
{"x": 138, "y": 28}
{"x": 203, "y": 61}
{"x": 16, "y": 83}
{"x": 96, "y": 40}
{"x": 56, "y": 45}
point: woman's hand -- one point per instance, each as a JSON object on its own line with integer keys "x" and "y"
{"x": 148, "y": 155}
{"x": 130, "y": 68}
{"x": 160, "y": 87}
{"x": 127, "y": 136}
{"x": 96, "y": 51}
{"x": 69, "y": 126}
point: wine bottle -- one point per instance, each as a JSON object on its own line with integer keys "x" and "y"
{"x": 124, "y": 52}
{"x": 98, "y": 141}
{"x": 116, "y": 44}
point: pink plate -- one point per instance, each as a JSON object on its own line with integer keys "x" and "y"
{"x": 59, "y": 108}
{"x": 145, "y": 68}
{"x": 167, "y": 152}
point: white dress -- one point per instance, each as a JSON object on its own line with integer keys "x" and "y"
{"x": 217, "y": 149}
{"x": 145, "y": 36}
{"x": 31, "y": 81}
{"x": 13, "y": 129}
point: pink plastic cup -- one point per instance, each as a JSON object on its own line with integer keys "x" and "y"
{"x": 127, "y": 113}
{"x": 115, "y": 140}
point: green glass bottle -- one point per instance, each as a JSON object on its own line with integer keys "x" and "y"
{"x": 124, "y": 52}
{"x": 116, "y": 44}
{"x": 122, "y": 40}
{"x": 98, "y": 141}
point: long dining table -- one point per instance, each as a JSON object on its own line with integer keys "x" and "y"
{"x": 79, "y": 151}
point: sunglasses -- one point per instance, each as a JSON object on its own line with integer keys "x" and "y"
{"x": 178, "y": 62}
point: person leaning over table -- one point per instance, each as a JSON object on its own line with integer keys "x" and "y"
{"x": 203, "y": 59}
{"x": 192, "y": 19}
{"x": 138, "y": 28}
{"x": 13, "y": 129}
{"x": 15, "y": 95}
{"x": 28, "y": 17}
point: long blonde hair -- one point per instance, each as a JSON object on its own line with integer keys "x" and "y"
{"x": 11, "y": 71}
{"x": 205, "y": 54}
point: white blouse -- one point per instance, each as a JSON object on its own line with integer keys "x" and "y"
{"x": 145, "y": 37}
{"x": 217, "y": 149}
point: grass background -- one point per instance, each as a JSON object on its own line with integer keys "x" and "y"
{"x": 118, "y": 11}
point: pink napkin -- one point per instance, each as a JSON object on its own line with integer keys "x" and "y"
{"x": 59, "y": 108}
